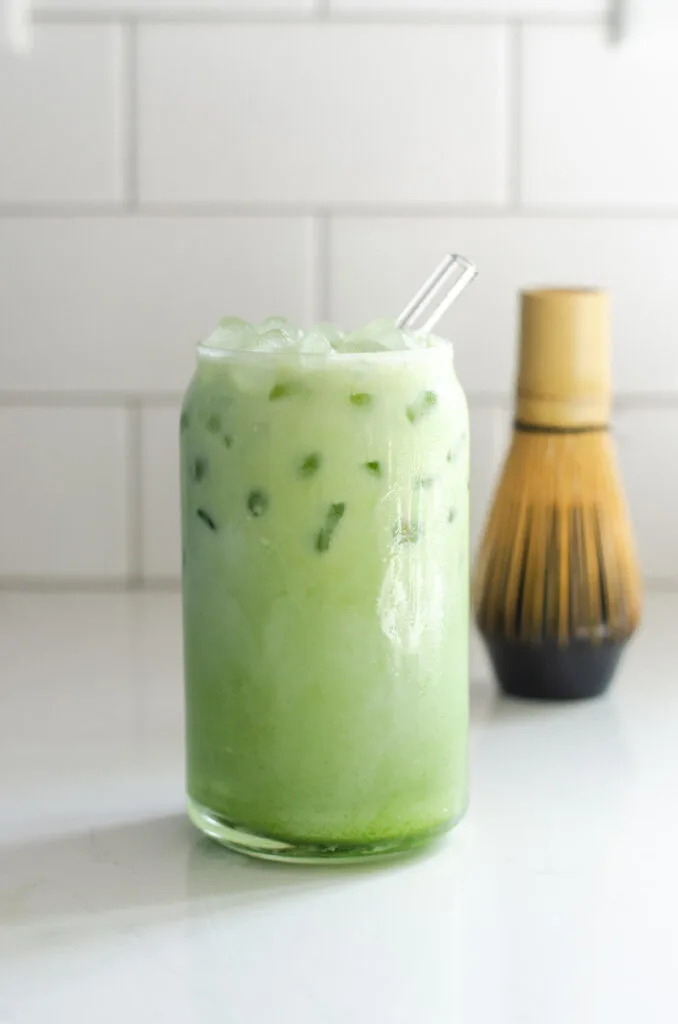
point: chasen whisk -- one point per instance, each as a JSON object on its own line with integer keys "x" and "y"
{"x": 557, "y": 588}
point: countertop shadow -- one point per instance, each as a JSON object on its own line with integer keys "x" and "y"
{"x": 148, "y": 868}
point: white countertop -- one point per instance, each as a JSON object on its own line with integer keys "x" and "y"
{"x": 554, "y": 902}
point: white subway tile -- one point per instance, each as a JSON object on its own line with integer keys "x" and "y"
{"x": 596, "y": 121}
{"x": 64, "y": 480}
{"x": 490, "y": 439}
{"x": 476, "y": 7}
{"x": 377, "y": 264}
{"x": 61, "y": 117}
{"x": 322, "y": 113}
{"x": 117, "y": 304}
{"x": 647, "y": 444}
{"x": 161, "y": 536}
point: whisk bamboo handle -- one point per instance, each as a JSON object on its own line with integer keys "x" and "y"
{"x": 564, "y": 368}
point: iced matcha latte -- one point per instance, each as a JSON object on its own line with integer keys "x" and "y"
{"x": 325, "y": 582}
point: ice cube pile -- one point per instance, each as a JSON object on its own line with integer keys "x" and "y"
{"x": 277, "y": 334}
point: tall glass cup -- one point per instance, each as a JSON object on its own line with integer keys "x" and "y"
{"x": 325, "y": 589}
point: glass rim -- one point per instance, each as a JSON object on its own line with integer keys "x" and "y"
{"x": 207, "y": 353}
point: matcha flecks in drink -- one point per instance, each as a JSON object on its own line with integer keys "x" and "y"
{"x": 287, "y": 389}
{"x": 206, "y": 518}
{"x": 310, "y": 464}
{"x": 422, "y": 405}
{"x": 361, "y": 399}
{"x": 257, "y": 502}
{"x": 334, "y": 515}
{"x": 199, "y": 468}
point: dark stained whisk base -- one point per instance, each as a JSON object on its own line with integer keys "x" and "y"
{"x": 548, "y": 670}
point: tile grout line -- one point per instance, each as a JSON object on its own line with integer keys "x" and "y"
{"x": 320, "y": 11}
{"x": 326, "y": 281}
{"x": 514, "y": 140}
{"x": 62, "y": 585}
{"x": 87, "y": 399}
{"x": 320, "y": 268}
{"x": 135, "y": 498}
{"x": 367, "y": 210}
{"x": 131, "y": 116}
{"x": 617, "y": 20}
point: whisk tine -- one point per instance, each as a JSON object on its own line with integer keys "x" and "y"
{"x": 557, "y": 560}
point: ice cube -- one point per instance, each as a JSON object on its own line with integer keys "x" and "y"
{"x": 357, "y": 342}
{"x": 378, "y": 336}
{"x": 279, "y": 323}
{"x": 412, "y": 340}
{"x": 386, "y": 334}
{"x": 235, "y": 323}
{"x": 376, "y": 328}
{"x": 276, "y": 340}
{"x": 393, "y": 340}
{"x": 318, "y": 341}
{"x": 219, "y": 338}
{"x": 330, "y": 331}
{"x": 315, "y": 345}
{"x": 232, "y": 334}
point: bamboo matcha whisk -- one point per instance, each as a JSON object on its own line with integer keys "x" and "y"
{"x": 557, "y": 587}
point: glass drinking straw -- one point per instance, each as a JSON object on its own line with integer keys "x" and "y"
{"x": 455, "y": 271}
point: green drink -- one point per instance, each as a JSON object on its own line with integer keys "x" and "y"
{"x": 325, "y": 581}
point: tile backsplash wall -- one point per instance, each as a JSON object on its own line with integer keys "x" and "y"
{"x": 165, "y": 162}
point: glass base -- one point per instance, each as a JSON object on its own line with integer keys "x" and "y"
{"x": 241, "y": 840}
